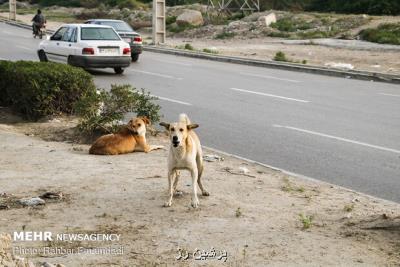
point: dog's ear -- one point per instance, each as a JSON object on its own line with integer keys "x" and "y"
{"x": 192, "y": 126}
{"x": 166, "y": 125}
{"x": 129, "y": 125}
{"x": 145, "y": 120}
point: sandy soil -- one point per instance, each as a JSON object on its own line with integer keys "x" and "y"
{"x": 265, "y": 48}
{"x": 316, "y": 55}
{"x": 255, "y": 217}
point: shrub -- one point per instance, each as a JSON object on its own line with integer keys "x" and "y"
{"x": 291, "y": 25}
{"x": 385, "y": 34}
{"x": 189, "y": 47}
{"x": 225, "y": 35}
{"x": 175, "y": 28}
{"x": 280, "y": 56}
{"x": 37, "y": 89}
{"x": 103, "y": 110}
{"x": 170, "y": 19}
{"x": 210, "y": 51}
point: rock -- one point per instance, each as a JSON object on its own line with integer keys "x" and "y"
{"x": 190, "y": 17}
{"x": 52, "y": 195}
{"x": 267, "y": 19}
{"x": 212, "y": 158}
{"x": 23, "y": 5}
{"x": 34, "y": 201}
{"x": 243, "y": 170}
{"x": 343, "y": 66}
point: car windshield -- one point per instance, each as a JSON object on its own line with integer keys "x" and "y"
{"x": 119, "y": 26}
{"x": 99, "y": 34}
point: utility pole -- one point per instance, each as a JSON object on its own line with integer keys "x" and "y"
{"x": 13, "y": 10}
{"x": 158, "y": 21}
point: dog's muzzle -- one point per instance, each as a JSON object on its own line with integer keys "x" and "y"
{"x": 175, "y": 141}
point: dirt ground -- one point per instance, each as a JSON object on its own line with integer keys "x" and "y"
{"x": 254, "y": 214}
{"x": 381, "y": 60}
{"x": 315, "y": 55}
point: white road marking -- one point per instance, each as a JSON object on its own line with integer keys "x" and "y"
{"x": 390, "y": 95}
{"x": 338, "y": 138}
{"x": 173, "y": 100}
{"x": 25, "y": 48}
{"x": 157, "y": 74}
{"x": 173, "y": 62}
{"x": 269, "y": 95}
{"x": 269, "y": 77}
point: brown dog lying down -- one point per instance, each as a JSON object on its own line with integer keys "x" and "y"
{"x": 131, "y": 137}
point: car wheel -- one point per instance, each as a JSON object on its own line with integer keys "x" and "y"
{"x": 119, "y": 70}
{"x": 70, "y": 61}
{"x": 135, "y": 57}
{"x": 42, "y": 56}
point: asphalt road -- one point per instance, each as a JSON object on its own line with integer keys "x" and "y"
{"x": 346, "y": 132}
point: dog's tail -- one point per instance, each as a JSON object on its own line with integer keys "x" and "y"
{"x": 184, "y": 118}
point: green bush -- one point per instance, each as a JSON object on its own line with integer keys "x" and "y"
{"x": 170, "y": 19}
{"x": 280, "y": 56}
{"x": 385, "y": 34}
{"x": 102, "y": 110}
{"x": 291, "y": 25}
{"x": 38, "y": 89}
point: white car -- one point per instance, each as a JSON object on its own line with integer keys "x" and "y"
{"x": 87, "y": 46}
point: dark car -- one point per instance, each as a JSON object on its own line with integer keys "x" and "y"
{"x": 125, "y": 32}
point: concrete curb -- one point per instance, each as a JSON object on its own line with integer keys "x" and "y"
{"x": 360, "y": 75}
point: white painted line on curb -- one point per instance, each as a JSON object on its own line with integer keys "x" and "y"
{"x": 390, "y": 95}
{"x": 157, "y": 74}
{"x": 269, "y": 77}
{"x": 338, "y": 138}
{"x": 173, "y": 100}
{"x": 269, "y": 95}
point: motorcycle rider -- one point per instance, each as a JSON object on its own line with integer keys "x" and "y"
{"x": 38, "y": 22}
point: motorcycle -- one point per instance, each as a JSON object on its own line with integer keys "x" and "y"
{"x": 39, "y": 30}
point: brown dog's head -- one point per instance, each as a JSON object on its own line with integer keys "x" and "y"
{"x": 178, "y": 131}
{"x": 138, "y": 125}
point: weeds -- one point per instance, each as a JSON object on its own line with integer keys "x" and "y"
{"x": 306, "y": 220}
{"x": 238, "y": 212}
{"x": 189, "y": 47}
{"x": 225, "y": 35}
{"x": 186, "y": 47}
{"x": 348, "y": 208}
{"x": 210, "y": 51}
{"x": 280, "y": 56}
{"x": 385, "y": 34}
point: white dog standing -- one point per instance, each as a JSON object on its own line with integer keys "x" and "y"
{"x": 185, "y": 153}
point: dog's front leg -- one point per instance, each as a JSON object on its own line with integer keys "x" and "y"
{"x": 195, "y": 200}
{"x": 171, "y": 178}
